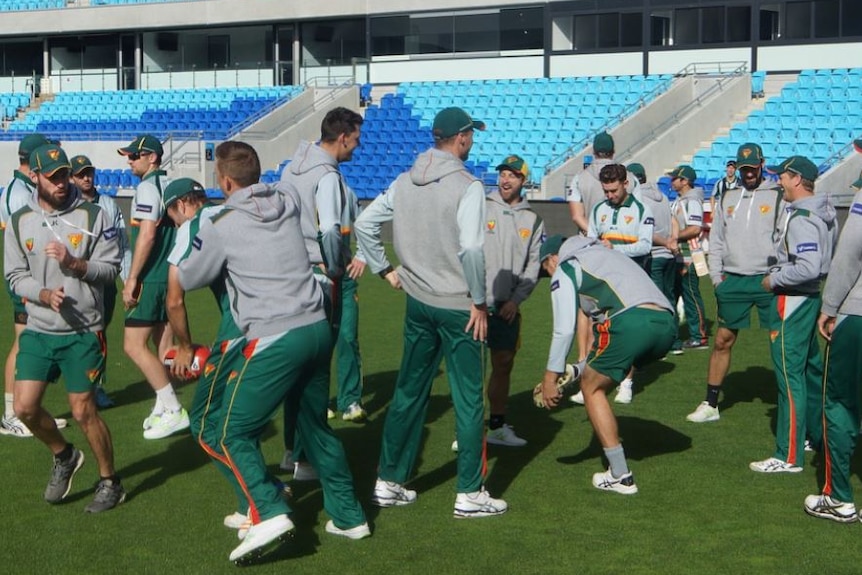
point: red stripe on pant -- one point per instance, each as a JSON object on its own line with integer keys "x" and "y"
{"x": 603, "y": 340}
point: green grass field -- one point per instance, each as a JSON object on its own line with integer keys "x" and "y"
{"x": 699, "y": 509}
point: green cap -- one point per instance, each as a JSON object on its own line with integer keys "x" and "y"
{"x": 48, "y": 159}
{"x": 749, "y": 154}
{"x": 858, "y": 183}
{"x": 551, "y": 247}
{"x": 603, "y": 143}
{"x": 144, "y": 143}
{"x": 29, "y": 143}
{"x": 638, "y": 170}
{"x": 797, "y": 165}
{"x": 80, "y": 163}
{"x": 684, "y": 171}
{"x": 516, "y": 164}
{"x": 179, "y": 188}
{"x": 451, "y": 121}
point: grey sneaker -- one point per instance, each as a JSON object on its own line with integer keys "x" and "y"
{"x": 109, "y": 494}
{"x": 61, "y": 477}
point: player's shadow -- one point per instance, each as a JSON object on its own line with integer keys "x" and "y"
{"x": 652, "y": 373}
{"x": 647, "y": 438}
{"x": 745, "y": 386}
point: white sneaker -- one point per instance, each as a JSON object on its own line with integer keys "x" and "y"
{"x": 827, "y": 508}
{"x": 391, "y": 494}
{"x": 168, "y": 423}
{"x": 504, "y": 435}
{"x": 808, "y": 446}
{"x": 478, "y": 504}
{"x": 261, "y": 538}
{"x": 14, "y": 427}
{"x": 354, "y": 413}
{"x": 287, "y": 462}
{"x": 703, "y": 414}
{"x": 330, "y": 414}
{"x": 578, "y": 398}
{"x": 151, "y": 419}
{"x": 455, "y": 446}
{"x": 773, "y": 465}
{"x": 358, "y": 532}
{"x": 607, "y": 482}
{"x": 304, "y": 471}
{"x": 624, "y": 394}
{"x": 235, "y": 520}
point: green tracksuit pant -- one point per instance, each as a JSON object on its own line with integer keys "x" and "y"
{"x": 348, "y": 364}
{"x": 842, "y": 383}
{"x": 799, "y": 374}
{"x": 663, "y": 274}
{"x": 688, "y": 286}
{"x": 428, "y": 331}
{"x": 291, "y": 369}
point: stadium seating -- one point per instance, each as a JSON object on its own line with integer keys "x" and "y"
{"x": 538, "y": 118}
{"x": 10, "y": 103}
{"x": 209, "y": 113}
{"x": 816, "y": 116}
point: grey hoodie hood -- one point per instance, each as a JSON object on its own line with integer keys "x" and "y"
{"x": 651, "y": 192}
{"x": 310, "y": 156}
{"x": 260, "y": 202}
{"x": 573, "y": 245}
{"x": 819, "y": 205}
{"x": 72, "y": 201}
{"x": 432, "y": 165}
{"x": 693, "y": 194}
{"x": 498, "y": 199}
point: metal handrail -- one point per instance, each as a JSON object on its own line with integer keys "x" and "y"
{"x": 690, "y": 69}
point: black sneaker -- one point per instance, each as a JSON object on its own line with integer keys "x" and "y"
{"x": 61, "y": 477}
{"x": 109, "y": 494}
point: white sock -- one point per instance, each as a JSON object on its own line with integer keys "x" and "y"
{"x": 627, "y": 383}
{"x": 10, "y": 410}
{"x": 168, "y": 399}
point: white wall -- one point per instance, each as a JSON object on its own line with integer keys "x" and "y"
{"x": 629, "y": 63}
{"x": 392, "y": 70}
{"x": 672, "y": 61}
{"x": 816, "y": 56}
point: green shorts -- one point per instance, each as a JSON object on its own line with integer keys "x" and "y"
{"x": 634, "y": 337}
{"x": 503, "y": 335}
{"x": 736, "y": 295}
{"x": 80, "y": 357}
{"x": 19, "y": 311}
{"x": 151, "y": 306}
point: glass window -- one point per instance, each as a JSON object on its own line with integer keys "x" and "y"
{"x": 522, "y": 29}
{"x": 477, "y": 33}
{"x": 712, "y": 25}
{"x": 609, "y": 30}
{"x": 388, "y": 35}
{"x": 826, "y": 18}
{"x": 631, "y": 30}
{"x": 770, "y": 22}
{"x": 431, "y": 35}
{"x": 561, "y": 35}
{"x": 685, "y": 23}
{"x": 851, "y": 18}
{"x": 738, "y": 23}
{"x": 660, "y": 28}
{"x": 585, "y": 32}
{"x": 798, "y": 20}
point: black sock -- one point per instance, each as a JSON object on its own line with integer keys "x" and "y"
{"x": 712, "y": 392}
{"x": 67, "y": 452}
{"x": 496, "y": 421}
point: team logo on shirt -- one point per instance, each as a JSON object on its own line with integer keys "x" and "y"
{"x": 110, "y": 233}
{"x": 628, "y": 219}
{"x": 197, "y": 243}
{"x": 524, "y": 233}
{"x": 75, "y": 239}
{"x": 491, "y": 225}
{"x": 144, "y": 208}
{"x": 773, "y": 335}
{"x": 856, "y": 209}
{"x": 604, "y": 218}
{"x": 649, "y": 221}
{"x": 28, "y": 243}
{"x": 730, "y": 210}
{"x": 695, "y": 218}
{"x": 555, "y": 285}
{"x": 764, "y": 208}
{"x": 806, "y": 247}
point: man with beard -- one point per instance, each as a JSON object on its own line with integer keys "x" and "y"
{"x": 741, "y": 245}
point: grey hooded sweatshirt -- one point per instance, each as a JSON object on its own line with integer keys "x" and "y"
{"x": 513, "y": 237}
{"x": 326, "y": 208}
{"x": 86, "y": 232}
{"x": 804, "y": 247}
{"x": 842, "y": 293}
{"x": 653, "y": 198}
{"x": 257, "y": 238}
{"x": 437, "y": 211}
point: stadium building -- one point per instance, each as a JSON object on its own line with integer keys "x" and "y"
{"x": 672, "y": 80}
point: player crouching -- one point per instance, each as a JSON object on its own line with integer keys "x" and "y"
{"x": 633, "y": 324}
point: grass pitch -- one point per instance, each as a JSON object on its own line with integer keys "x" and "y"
{"x": 699, "y": 509}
